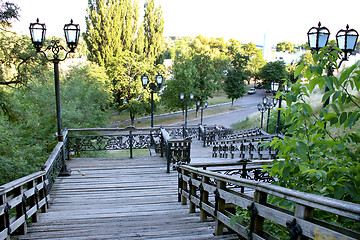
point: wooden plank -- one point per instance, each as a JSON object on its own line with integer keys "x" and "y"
{"x": 119, "y": 200}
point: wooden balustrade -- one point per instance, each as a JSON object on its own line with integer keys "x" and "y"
{"x": 216, "y": 197}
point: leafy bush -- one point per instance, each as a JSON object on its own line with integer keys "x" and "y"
{"x": 321, "y": 151}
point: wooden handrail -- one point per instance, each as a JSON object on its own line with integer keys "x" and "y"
{"x": 201, "y": 181}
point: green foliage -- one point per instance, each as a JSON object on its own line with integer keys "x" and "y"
{"x": 8, "y": 12}
{"x": 285, "y": 47}
{"x": 315, "y": 159}
{"x": 28, "y": 139}
{"x": 234, "y": 85}
{"x": 273, "y": 72}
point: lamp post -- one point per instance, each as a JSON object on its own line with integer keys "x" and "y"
{"x": 268, "y": 105}
{"x": 345, "y": 39}
{"x": 183, "y": 99}
{"x": 274, "y": 88}
{"x": 202, "y": 109}
{"x": 261, "y": 108}
{"x": 154, "y": 86}
{"x": 72, "y": 33}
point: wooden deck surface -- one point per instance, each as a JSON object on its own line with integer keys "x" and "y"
{"x": 119, "y": 199}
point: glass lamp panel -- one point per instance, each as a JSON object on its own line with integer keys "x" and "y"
{"x": 206, "y": 103}
{"x": 312, "y": 40}
{"x": 191, "y": 96}
{"x": 351, "y": 40}
{"x": 70, "y": 33}
{"x": 323, "y": 39}
{"x": 198, "y": 102}
{"x": 182, "y": 96}
{"x": 144, "y": 80}
{"x": 265, "y": 100}
{"x": 275, "y": 101}
{"x": 340, "y": 39}
{"x": 159, "y": 79}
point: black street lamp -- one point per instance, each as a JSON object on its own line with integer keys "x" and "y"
{"x": 182, "y": 98}
{"x": 269, "y": 103}
{"x": 202, "y": 109}
{"x": 154, "y": 86}
{"x": 261, "y": 108}
{"x": 345, "y": 39}
{"x": 72, "y": 33}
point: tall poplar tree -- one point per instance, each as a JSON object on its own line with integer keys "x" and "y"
{"x": 126, "y": 49}
{"x": 153, "y": 32}
{"x": 111, "y": 28}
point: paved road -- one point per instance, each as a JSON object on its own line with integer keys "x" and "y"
{"x": 248, "y": 105}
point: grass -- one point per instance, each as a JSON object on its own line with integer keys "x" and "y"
{"x": 172, "y": 119}
{"x": 113, "y": 153}
{"x": 219, "y": 97}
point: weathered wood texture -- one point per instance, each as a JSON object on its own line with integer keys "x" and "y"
{"x": 119, "y": 199}
{"x": 217, "y": 194}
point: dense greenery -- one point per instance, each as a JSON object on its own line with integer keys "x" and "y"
{"x": 273, "y": 72}
{"x": 127, "y": 49}
{"x": 321, "y": 151}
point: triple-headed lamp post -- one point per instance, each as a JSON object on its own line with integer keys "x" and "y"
{"x": 154, "y": 86}
{"x": 72, "y": 33}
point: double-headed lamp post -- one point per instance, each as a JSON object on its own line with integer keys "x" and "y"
{"x": 199, "y": 104}
{"x": 261, "y": 108}
{"x": 154, "y": 86}
{"x": 72, "y": 33}
{"x": 345, "y": 39}
{"x": 183, "y": 99}
{"x": 269, "y": 103}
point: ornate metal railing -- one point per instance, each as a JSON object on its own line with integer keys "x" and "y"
{"x": 251, "y": 215}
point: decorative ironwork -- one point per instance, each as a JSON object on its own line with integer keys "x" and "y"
{"x": 108, "y": 142}
{"x": 294, "y": 229}
{"x": 256, "y": 174}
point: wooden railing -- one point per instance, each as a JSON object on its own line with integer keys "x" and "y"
{"x": 21, "y": 200}
{"x": 176, "y": 151}
{"x": 219, "y": 196}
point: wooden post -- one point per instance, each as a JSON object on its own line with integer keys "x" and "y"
{"x": 184, "y": 188}
{"x": 192, "y": 192}
{"x": 131, "y": 144}
{"x": 259, "y": 197}
{"x": 219, "y": 226}
{"x": 20, "y": 212}
{"x": 33, "y": 200}
{"x": 42, "y": 194}
{"x": 2, "y": 217}
{"x": 204, "y": 199}
{"x": 303, "y": 212}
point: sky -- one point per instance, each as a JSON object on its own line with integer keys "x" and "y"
{"x": 246, "y": 21}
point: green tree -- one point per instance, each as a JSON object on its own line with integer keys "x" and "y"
{"x": 234, "y": 82}
{"x": 111, "y": 28}
{"x": 153, "y": 32}
{"x": 285, "y": 47}
{"x": 8, "y": 12}
{"x": 273, "y": 72}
